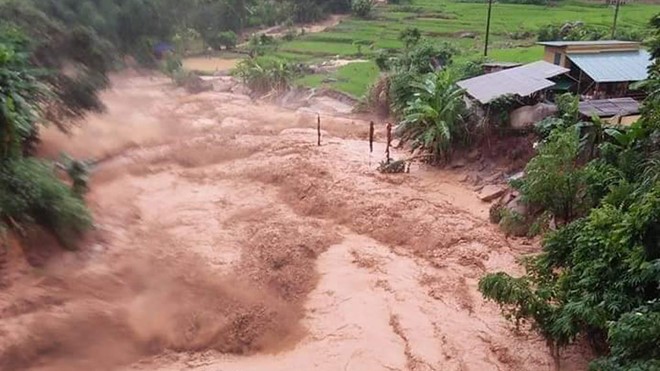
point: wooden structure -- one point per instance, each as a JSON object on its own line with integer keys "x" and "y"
{"x": 531, "y": 80}
{"x": 617, "y": 111}
{"x": 600, "y": 69}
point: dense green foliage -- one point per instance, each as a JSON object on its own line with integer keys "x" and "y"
{"x": 554, "y": 180}
{"x": 30, "y": 192}
{"x": 134, "y": 27}
{"x": 579, "y": 31}
{"x": 407, "y": 68}
{"x": 410, "y": 37}
{"x": 19, "y": 88}
{"x": 263, "y": 75}
{"x": 599, "y": 275}
{"x": 362, "y": 8}
{"x": 69, "y": 61}
{"x": 436, "y": 117}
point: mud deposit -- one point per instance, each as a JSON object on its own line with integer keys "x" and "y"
{"x": 228, "y": 240}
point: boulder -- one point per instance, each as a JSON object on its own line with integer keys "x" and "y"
{"x": 240, "y": 89}
{"x": 195, "y": 84}
{"x": 467, "y": 35}
{"x": 517, "y": 206}
{"x": 517, "y": 176}
{"x": 223, "y": 85}
{"x": 491, "y": 192}
{"x": 493, "y": 178}
{"x": 458, "y": 163}
{"x": 474, "y": 155}
{"x": 524, "y": 118}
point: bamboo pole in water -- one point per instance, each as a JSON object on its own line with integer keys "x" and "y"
{"x": 318, "y": 128}
{"x": 389, "y": 140}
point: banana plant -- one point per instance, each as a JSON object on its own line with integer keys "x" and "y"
{"x": 435, "y": 118}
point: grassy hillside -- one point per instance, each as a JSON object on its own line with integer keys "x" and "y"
{"x": 513, "y": 34}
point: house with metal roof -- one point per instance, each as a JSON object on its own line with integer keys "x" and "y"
{"x": 600, "y": 69}
{"x": 529, "y": 80}
{"x": 619, "y": 111}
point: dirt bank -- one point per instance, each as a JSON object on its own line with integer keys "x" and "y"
{"x": 228, "y": 240}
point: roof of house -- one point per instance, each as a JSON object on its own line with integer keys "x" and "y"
{"x": 502, "y": 64}
{"x": 587, "y": 43}
{"x": 614, "y": 66}
{"x": 523, "y": 81}
{"x": 609, "y": 107}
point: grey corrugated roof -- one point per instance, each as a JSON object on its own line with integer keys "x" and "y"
{"x": 502, "y": 64}
{"x": 614, "y": 66}
{"x": 609, "y": 107}
{"x": 597, "y": 42}
{"x": 524, "y": 80}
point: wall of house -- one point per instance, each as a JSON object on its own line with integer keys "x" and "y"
{"x": 623, "y": 120}
{"x": 550, "y": 53}
{"x": 601, "y": 48}
{"x": 550, "y": 56}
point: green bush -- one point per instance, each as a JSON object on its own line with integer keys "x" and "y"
{"x": 470, "y": 68}
{"x": 513, "y": 223}
{"x": 571, "y": 31}
{"x": 554, "y": 180}
{"x": 382, "y": 59}
{"x": 263, "y": 75}
{"x": 410, "y": 36}
{"x": 29, "y": 190}
{"x": 409, "y": 68}
{"x": 426, "y": 57}
{"x": 435, "y": 119}
{"x": 31, "y": 193}
{"x": 226, "y": 39}
{"x": 172, "y": 65}
{"x": 362, "y": 8}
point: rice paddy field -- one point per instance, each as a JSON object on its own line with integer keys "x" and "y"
{"x": 513, "y": 33}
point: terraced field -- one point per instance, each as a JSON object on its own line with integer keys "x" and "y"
{"x": 513, "y": 32}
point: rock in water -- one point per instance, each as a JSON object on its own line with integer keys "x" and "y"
{"x": 491, "y": 192}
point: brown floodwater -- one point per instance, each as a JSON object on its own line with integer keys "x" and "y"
{"x": 226, "y": 239}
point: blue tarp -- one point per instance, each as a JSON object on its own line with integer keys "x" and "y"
{"x": 162, "y": 47}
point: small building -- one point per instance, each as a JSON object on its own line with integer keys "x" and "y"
{"x": 531, "y": 80}
{"x": 616, "y": 111}
{"x": 600, "y": 69}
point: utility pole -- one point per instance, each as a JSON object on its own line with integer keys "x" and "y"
{"x": 616, "y": 15}
{"x": 490, "y": 6}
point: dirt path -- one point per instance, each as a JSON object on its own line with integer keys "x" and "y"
{"x": 279, "y": 31}
{"x": 229, "y": 241}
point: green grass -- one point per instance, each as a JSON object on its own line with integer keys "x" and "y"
{"x": 353, "y": 79}
{"x": 521, "y": 54}
{"x": 446, "y": 20}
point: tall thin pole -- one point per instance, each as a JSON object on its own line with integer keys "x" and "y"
{"x": 318, "y": 128}
{"x": 490, "y": 6}
{"x": 389, "y": 140}
{"x": 616, "y": 15}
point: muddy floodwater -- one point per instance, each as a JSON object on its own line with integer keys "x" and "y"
{"x": 226, "y": 239}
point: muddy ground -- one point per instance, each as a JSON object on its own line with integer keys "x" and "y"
{"x": 226, "y": 239}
